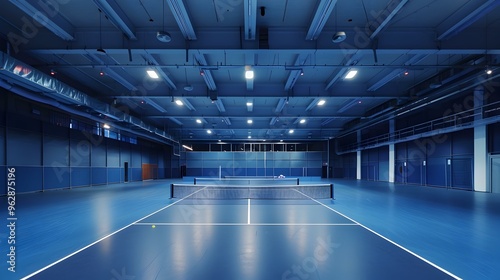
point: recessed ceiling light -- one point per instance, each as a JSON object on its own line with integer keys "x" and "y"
{"x": 249, "y": 121}
{"x": 209, "y": 131}
{"x": 178, "y": 102}
{"x": 198, "y": 121}
{"x": 321, "y": 102}
{"x": 152, "y": 74}
{"x": 249, "y": 103}
{"x": 302, "y": 121}
{"x": 291, "y": 131}
{"x": 351, "y": 74}
{"x": 106, "y": 126}
{"x": 249, "y": 136}
{"x": 489, "y": 71}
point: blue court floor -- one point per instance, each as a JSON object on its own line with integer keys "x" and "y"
{"x": 371, "y": 230}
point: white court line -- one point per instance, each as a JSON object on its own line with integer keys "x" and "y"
{"x": 243, "y": 224}
{"x": 248, "y": 219}
{"x": 111, "y": 234}
{"x": 385, "y": 238}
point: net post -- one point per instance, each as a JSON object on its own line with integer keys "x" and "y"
{"x": 331, "y": 192}
{"x": 194, "y": 181}
{"x": 171, "y": 191}
{"x": 297, "y": 181}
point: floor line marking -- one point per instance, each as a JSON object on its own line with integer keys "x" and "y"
{"x": 248, "y": 219}
{"x": 243, "y": 224}
{"x": 102, "y": 238}
{"x": 385, "y": 238}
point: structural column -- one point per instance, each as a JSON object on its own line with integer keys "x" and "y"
{"x": 481, "y": 165}
{"x": 392, "y": 153}
{"x": 358, "y": 157}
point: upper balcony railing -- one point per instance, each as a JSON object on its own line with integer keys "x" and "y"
{"x": 480, "y": 115}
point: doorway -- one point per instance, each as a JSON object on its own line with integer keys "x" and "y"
{"x": 495, "y": 174}
{"x": 125, "y": 171}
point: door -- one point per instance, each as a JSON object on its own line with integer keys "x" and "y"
{"x": 495, "y": 174}
{"x": 125, "y": 171}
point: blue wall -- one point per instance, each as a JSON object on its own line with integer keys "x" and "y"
{"x": 253, "y": 163}
{"x": 47, "y": 154}
{"x": 444, "y": 160}
{"x": 375, "y": 164}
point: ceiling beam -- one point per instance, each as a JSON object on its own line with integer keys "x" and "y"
{"x": 111, "y": 73}
{"x": 396, "y": 72}
{"x": 206, "y": 73}
{"x": 393, "y": 8}
{"x": 323, "y": 11}
{"x": 295, "y": 73}
{"x": 469, "y": 19}
{"x": 48, "y": 11}
{"x": 115, "y": 14}
{"x": 281, "y": 41}
{"x": 182, "y": 18}
{"x": 250, "y": 15}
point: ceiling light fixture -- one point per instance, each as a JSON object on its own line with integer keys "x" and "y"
{"x": 106, "y": 126}
{"x": 187, "y": 147}
{"x": 209, "y": 131}
{"x": 302, "y": 121}
{"x": 152, "y": 74}
{"x": 198, "y": 121}
{"x": 489, "y": 71}
{"x": 321, "y": 102}
{"x": 249, "y": 73}
{"x": 351, "y": 74}
{"x": 291, "y": 131}
{"x": 178, "y": 102}
{"x": 249, "y": 121}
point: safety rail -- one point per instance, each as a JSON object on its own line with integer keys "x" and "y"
{"x": 480, "y": 115}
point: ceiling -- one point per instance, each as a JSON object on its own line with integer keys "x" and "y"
{"x": 395, "y": 45}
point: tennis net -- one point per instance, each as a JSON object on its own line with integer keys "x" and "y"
{"x": 316, "y": 191}
{"x": 246, "y": 181}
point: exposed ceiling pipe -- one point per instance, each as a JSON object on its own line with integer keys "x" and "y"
{"x": 54, "y": 103}
{"x": 29, "y": 79}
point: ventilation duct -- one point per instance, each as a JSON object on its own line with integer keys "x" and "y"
{"x": 20, "y": 77}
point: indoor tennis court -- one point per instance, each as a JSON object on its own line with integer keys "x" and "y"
{"x": 268, "y": 238}
{"x": 249, "y": 139}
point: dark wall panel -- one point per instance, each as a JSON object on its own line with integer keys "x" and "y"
{"x": 113, "y": 175}
{"x": 113, "y": 154}
{"x": 3, "y": 178}
{"x": 24, "y": 148}
{"x": 2, "y": 146}
{"x": 99, "y": 175}
{"x": 56, "y": 177}
{"x": 436, "y": 170}
{"x": 80, "y": 176}
{"x": 28, "y": 178}
{"x": 463, "y": 142}
{"x": 55, "y": 151}
{"x": 135, "y": 156}
{"x": 494, "y": 138}
{"x": 135, "y": 174}
{"x": 79, "y": 153}
{"x": 98, "y": 157}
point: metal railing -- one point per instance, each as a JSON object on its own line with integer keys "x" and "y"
{"x": 480, "y": 115}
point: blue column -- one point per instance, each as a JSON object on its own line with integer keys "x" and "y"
{"x": 358, "y": 158}
{"x": 480, "y": 144}
{"x": 392, "y": 153}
